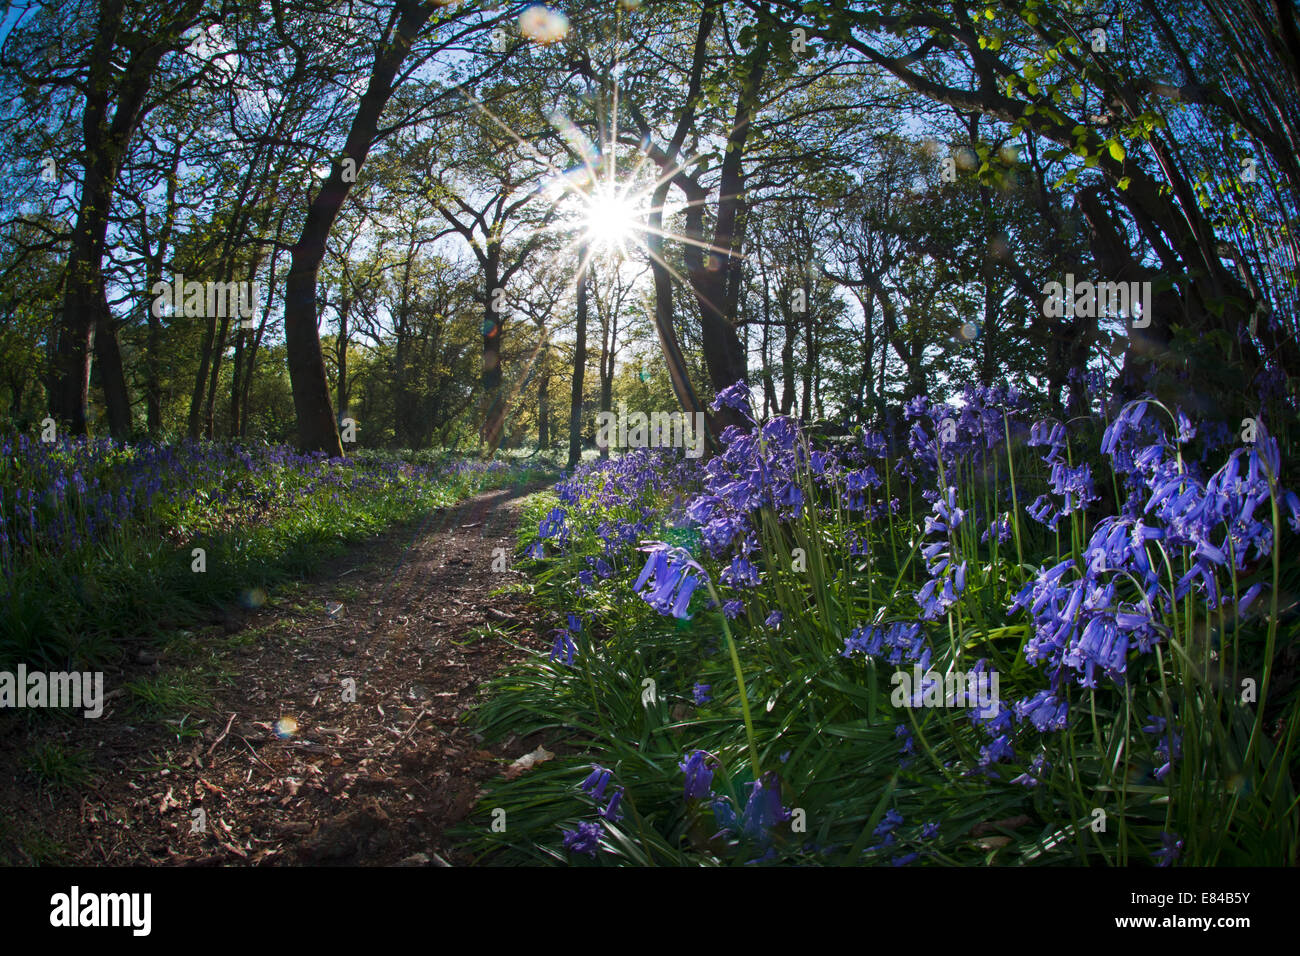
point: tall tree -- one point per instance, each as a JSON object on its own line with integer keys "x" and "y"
{"x": 114, "y": 79}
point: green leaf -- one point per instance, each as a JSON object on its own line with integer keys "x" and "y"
{"x": 1117, "y": 151}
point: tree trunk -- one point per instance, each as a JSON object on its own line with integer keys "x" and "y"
{"x": 787, "y": 359}
{"x": 112, "y": 379}
{"x": 341, "y": 351}
{"x": 765, "y": 350}
{"x": 579, "y": 363}
{"x": 239, "y": 409}
{"x": 119, "y": 93}
{"x": 714, "y": 279}
{"x": 152, "y": 370}
{"x": 663, "y": 314}
{"x": 494, "y": 413}
{"x": 809, "y": 363}
{"x": 317, "y": 430}
{"x": 544, "y": 407}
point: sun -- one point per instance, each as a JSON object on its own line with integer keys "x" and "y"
{"x": 610, "y": 220}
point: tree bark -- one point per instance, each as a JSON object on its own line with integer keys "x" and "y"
{"x": 579, "y": 363}
{"x": 110, "y": 90}
{"x": 317, "y": 429}
{"x": 494, "y": 413}
{"x": 112, "y": 378}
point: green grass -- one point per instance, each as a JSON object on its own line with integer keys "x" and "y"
{"x": 171, "y": 695}
{"x": 73, "y": 606}
{"x": 56, "y": 765}
{"x": 827, "y": 728}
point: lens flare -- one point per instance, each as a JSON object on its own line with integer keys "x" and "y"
{"x": 543, "y": 25}
{"x": 609, "y": 220}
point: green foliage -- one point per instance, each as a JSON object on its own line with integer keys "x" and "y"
{"x": 56, "y": 765}
{"x": 259, "y": 523}
{"x": 832, "y": 728}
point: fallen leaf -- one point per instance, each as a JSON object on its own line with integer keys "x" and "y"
{"x": 527, "y": 762}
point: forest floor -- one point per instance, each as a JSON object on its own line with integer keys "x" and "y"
{"x": 248, "y": 721}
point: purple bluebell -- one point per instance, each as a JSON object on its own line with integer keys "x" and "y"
{"x": 585, "y": 839}
{"x": 699, "y": 776}
{"x": 597, "y": 780}
{"x": 1171, "y": 847}
{"x": 611, "y": 810}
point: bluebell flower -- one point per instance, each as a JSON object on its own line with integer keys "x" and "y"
{"x": 597, "y": 780}
{"x": 763, "y": 809}
{"x": 564, "y": 648}
{"x": 585, "y": 839}
{"x": 724, "y": 814}
{"x": 874, "y": 443}
{"x": 1171, "y": 847}
{"x": 741, "y": 573}
{"x": 734, "y": 396}
{"x": 904, "y": 733}
{"x": 1247, "y": 599}
{"x": 675, "y": 576}
{"x": 699, "y": 776}
{"x": 891, "y": 822}
{"x": 701, "y": 693}
{"x": 1031, "y": 776}
{"x": 611, "y": 811}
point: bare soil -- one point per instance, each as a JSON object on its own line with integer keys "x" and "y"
{"x": 283, "y": 766}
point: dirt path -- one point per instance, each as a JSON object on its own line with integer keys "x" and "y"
{"x": 284, "y": 763}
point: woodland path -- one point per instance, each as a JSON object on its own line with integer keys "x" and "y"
{"x": 376, "y": 781}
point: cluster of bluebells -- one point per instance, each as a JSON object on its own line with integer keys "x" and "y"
{"x": 565, "y": 646}
{"x": 1088, "y": 623}
{"x": 58, "y": 498}
{"x": 897, "y": 642}
{"x": 1071, "y": 484}
{"x": 947, "y": 577}
{"x": 762, "y": 811}
{"x": 968, "y": 430}
{"x": 613, "y": 503}
{"x": 769, "y": 466}
{"x": 1090, "y": 620}
{"x": 887, "y": 833}
{"x": 585, "y": 837}
{"x": 1092, "y": 616}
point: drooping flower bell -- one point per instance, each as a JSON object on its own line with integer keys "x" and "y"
{"x": 699, "y": 775}
{"x": 675, "y": 577}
